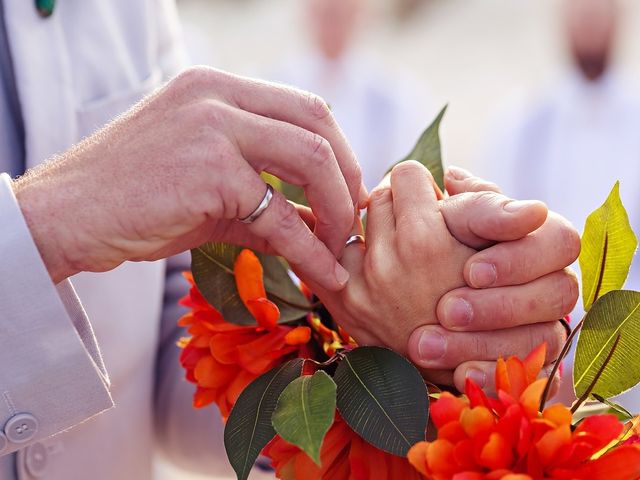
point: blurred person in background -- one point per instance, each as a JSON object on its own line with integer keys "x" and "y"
{"x": 570, "y": 144}
{"x": 381, "y": 114}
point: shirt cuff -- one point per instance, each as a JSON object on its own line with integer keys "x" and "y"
{"x": 51, "y": 372}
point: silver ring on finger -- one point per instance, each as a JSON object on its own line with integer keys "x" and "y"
{"x": 354, "y": 239}
{"x": 264, "y": 204}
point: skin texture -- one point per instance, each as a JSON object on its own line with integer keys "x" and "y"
{"x": 407, "y": 283}
{"x": 180, "y": 167}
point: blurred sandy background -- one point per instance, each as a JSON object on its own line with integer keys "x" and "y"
{"x": 473, "y": 54}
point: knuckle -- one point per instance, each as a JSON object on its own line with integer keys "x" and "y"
{"x": 569, "y": 289}
{"x": 319, "y": 150}
{"x": 316, "y": 107}
{"x": 208, "y": 114}
{"x": 379, "y": 195}
{"x": 193, "y": 77}
{"x": 569, "y": 240}
{"x": 409, "y": 168}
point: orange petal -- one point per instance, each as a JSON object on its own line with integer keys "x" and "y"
{"x": 204, "y": 397}
{"x": 440, "y": 459}
{"x": 211, "y": 374}
{"x": 264, "y": 311}
{"x": 516, "y": 476}
{"x": 298, "y": 336}
{"x": 604, "y": 428}
{"x": 453, "y": 432}
{"x": 257, "y": 356}
{"x": 530, "y": 398}
{"x": 418, "y": 457}
{"x": 502, "y": 376}
{"x": 552, "y": 444}
{"x": 468, "y": 476}
{"x": 496, "y": 453}
{"x": 517, "y": 376}
{"x": 622, "y": 463}
{"x": 557, "y": 414}
{"x": 534, "y": 362}
{"x": 447, "y": 408}
{"x": 477, "y": 421}
{"x": 249, "y": 276}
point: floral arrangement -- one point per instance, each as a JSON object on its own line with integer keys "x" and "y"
{"x": 294, "y": 386}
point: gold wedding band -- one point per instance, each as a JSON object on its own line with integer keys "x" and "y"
{"x": 354, "y": 239}
{"x": 253, "y": 216}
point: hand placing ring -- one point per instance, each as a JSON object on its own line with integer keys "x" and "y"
{"x": 354, "y": 239}
{"x": 253, "y": 216}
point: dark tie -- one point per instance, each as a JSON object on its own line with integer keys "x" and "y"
{"x": 12, "y": 147}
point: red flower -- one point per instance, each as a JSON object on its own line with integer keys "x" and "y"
{"x": 222, "y": 358}
{"x": 344, "y": 456}
{"x": 507, "y": 438}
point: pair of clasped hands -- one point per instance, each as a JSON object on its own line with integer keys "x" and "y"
{"x": 453, "y": 283}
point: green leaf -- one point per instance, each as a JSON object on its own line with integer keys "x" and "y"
{"x": 212, "y": 268}
{"x": 249, "y": 428}
{"x": 427, "y": 150}
{"x": 616, "y": 313}
{"x": 618, "y": 410}
{"x": 608, "y": 246}
{"x": 305, "y": 412}
{"x": 383, "y": 398}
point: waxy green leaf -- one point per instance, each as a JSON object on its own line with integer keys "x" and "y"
{"x": 383, "y": 398}
{"x": 249, "y": 427}
{"x": 305, "y": 412}
{"x": 608, "y": 246}
{"x": 212, "y": 268}
{"x": 427, "y": 150}
{"x": 615, "y": 313}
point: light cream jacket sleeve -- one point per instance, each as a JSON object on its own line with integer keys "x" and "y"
{"x": 51, "y": 373}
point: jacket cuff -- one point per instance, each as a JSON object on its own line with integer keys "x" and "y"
{"x": 51, "y": 372}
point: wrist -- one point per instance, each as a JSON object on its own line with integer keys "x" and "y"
{"x": 44, "y": 214}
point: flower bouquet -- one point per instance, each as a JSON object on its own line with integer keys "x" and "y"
{"x": 295, "y": 387}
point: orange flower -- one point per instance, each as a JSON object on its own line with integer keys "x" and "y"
{"x": 508, "y": 438}
{"x": 222, "y": 358}
{"x": 344, "y": 456}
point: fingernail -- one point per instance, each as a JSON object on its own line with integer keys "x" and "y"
{"x": 431, "y": 345}
{"x": 477, "y": 376}
{"x": 342, "y": 276}
{"x": 458, "y": 173}
{"x": 457, "y": 312}
{"x": 517, "y": 205}
{"x": 482, "y": 275}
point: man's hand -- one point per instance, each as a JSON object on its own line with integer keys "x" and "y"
{"x": 517, "y": 289}
{"x": 183, "y": 165}
{"x": 406, "y": 285}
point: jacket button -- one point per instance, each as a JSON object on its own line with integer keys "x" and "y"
{"x": 36, "y": 459}
{"x": 3, "y": 443}
{"x": 21, "y": 428}
{"x": 45, "y": 7}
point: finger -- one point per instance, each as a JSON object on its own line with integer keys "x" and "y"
{"x": 432, "y": 346}
{"x": 283, "y": 229}
{"x": 302, "y": 158}
{"x": 381, "y": 223}
{"x": 458, "y": 180}
{"x": 353, "y": 255}
{"x": 414, "y": 198}
{"x": 479, "y": 219}
{"x": 550, "y": 248}
{"x": 300, "y": 108}
{"x": 483, "y": 374}
{"x": 545, "y": 299}
{"x": 438, "y": 377}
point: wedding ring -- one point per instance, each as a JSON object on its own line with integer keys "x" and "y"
{"x": 354, "y": 239}
{"x": 253, "y": 216}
